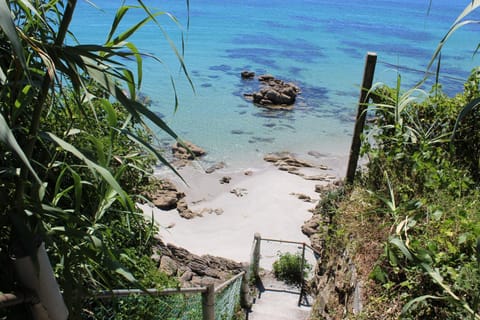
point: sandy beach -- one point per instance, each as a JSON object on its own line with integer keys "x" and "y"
{"x": 263, "y": 199}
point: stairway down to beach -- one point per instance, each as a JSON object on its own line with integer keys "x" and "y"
{"x": 279, "y": 301}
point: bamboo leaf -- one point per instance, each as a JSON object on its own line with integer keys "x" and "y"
{"x": 139, "y": 61}
{"x": 133, "y": 107}
{"x": 106, "y": 175}
{"x": 412, "y": 302}
{"x": 169, "y": 40}
{"x": 8, "y": 27}
{"x": 7, "y": 137}
{"x": 152, "y": 150}
{"x": 466, "y": 110}
{"x": 401, "y": 245}
{"x": 111, "y": 114}
{"x": 129, "y": 32}
{"x": 77, "y": 183}
{"x": 116, "y": 21}
{"x": 453, "y": 28}
{"x": 474, "y": 4}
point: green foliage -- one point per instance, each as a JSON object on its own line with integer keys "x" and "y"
{"x": 75, "y": 150}
{"x": 427, "y": 184}
{"x": 288, "y": 268}
{"x": 412, "y": 142}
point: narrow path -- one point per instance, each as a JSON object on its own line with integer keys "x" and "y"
{"x": 277, "y": 300}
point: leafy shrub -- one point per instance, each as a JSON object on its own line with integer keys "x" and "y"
{"x": 288, "y": 268}
{"x": 428, "y": 186}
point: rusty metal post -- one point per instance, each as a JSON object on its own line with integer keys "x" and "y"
{"x": 302, "y": 267}
{"x": 370, "y": 62}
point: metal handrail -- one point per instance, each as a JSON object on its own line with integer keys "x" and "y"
{"x": 229, "y": 281}
{"x": 256, "y": 257}
{"x": 292, "y": 242}
{"x": 155, "y": 292}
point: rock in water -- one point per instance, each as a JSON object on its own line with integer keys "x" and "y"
{"x": 187, "y": 151}
{"x": 274, "y": 94}
{"x": 248, "y": 74}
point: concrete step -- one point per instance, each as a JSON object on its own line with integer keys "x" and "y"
{"x": 278, "y": 305}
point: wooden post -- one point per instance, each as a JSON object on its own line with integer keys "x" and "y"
{"x": 256, "y": 255}
{"x": 301, "y": 276}
{"x": 245, "y": 301}
{"x": 368, "y": 73}
{"x": 208, "y": 303}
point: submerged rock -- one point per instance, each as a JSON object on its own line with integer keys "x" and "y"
{"x": 216, "y": 166}
{"x": 248, "y": 74}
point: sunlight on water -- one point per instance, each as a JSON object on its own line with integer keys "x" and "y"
{"x": 319, "y": 45}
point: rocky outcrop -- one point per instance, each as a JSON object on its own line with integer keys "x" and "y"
{"x": 193, "y": 270}
{"x": 286, "y": 161}
{"x": 340, "y": 279}
{"x": 338, "y": 289}
{"x": 274, "y": 93}
{"x": 166, "y": 196}
{"x": 186, "y": 152}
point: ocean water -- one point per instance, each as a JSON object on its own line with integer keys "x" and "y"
{"x": 318, "y": 44}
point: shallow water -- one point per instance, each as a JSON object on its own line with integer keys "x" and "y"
{"x": 318, "y": 44}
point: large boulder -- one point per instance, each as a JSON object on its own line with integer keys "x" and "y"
{"x": 165, "y": 196}
{"x": 187, "y": 151}
{"x": 274, "y": 93}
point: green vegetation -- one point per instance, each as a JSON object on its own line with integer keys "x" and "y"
{"x": 425, "y": 178}
{"x": 75, "y": 152}
{"x": 411, "y": 223}
{"x": 288, "y": 268}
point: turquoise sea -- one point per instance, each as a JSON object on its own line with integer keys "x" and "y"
{"x": 318, "y": 44}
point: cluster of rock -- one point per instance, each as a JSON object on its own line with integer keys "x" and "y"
{"x": 274, "y": 93}
{"x": 193, "y": 270}
{"x": 167, "y": 197}
{"x": 185, "y": 152}
{"x": 286, "y": 161}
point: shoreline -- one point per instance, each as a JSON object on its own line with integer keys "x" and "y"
{"x": 260, "y": 199}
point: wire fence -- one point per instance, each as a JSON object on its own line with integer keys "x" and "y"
{"x": 203, "y": 303}
{"x": 227, "y": 299}
{"x": 138, "y": 305}
{"x": 267, "y": 252}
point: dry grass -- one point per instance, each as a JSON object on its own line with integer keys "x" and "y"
{"x": 364, "y": 233}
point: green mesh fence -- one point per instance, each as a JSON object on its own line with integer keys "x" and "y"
{"x": 136, "y": 307}
{"x": 227, "y": 300}
{"x": 183, "y": 306}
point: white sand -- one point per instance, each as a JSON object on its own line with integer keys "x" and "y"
{"x": 267, "y": 207}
